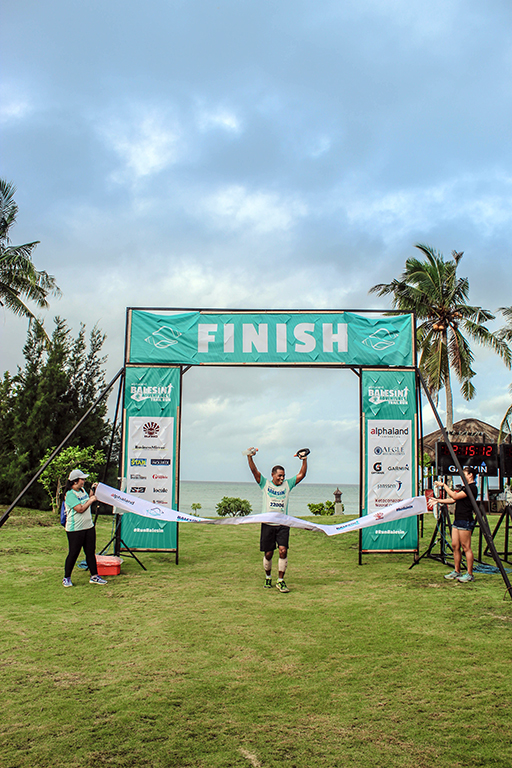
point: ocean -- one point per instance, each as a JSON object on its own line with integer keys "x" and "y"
{"x": 208, "y": 494}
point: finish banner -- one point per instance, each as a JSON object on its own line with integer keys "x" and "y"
{"x": 270, "y": 338}
{"x": 137, "y": 506}
{"x": 152, "y": 397}
{"x": 389, "y": 408}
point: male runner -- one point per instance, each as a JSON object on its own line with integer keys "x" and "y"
{"x": 275, "y": 499}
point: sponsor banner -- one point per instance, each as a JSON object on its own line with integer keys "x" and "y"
{"x": 208, "y": 338}
{"x": 162, "y": 515}
{"x": 389, "y": 406}
{"x": 151, "y": 403}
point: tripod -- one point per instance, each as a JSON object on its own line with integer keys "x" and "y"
{"x": 118, "y": 541}
{"x": 443, "y": 525}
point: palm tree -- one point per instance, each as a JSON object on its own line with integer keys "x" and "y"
{"x": 431, "y": 289}
{"x": 19, "y": 279}
{"x": 505, "y": 333}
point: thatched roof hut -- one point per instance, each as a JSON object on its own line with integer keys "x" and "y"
{"x": 464, "y": 431}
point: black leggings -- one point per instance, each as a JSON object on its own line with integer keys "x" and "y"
{"x": 77, "y": 540}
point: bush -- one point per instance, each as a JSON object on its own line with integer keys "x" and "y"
{"x": 323, "y": 509}
{"x": 229, "y": 506}
{"x": 54, "y": 477}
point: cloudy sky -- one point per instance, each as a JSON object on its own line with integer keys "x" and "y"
{"x": 258, "y": 154}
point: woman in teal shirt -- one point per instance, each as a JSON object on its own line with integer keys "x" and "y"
{"x": 80, "y": 528}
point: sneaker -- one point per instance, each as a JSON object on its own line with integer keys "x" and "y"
{"x": 268, "y": 582}
{"x": 281, "y": 586}
{"x": 453, "y": 575}
{"x": 66, "y": 582}
{"x": 466, "y": 577}
{"x": 97, "y": 580}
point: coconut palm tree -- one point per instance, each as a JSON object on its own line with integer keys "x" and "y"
{"x": 430, "y": 288}
{"x": 19, "y": 279}
{"x": 505, "y": 333}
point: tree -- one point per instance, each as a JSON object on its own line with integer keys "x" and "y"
{"x": 505, "y": 333}
{"x": 41, "y": 404}
{"x": 195, "y": 507}
{"x": 54, "y": 477}
{"x": 19, "y": 279}
{"x": 230, "y": 506}
{"x": 431, "y": 289}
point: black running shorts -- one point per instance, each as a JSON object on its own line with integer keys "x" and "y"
{"x": 272, "y": 536}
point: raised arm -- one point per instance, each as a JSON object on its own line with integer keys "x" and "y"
{"x": 252, "y": 466}
{"x": 301, "y": 474}
{"x": 453, "y": 495}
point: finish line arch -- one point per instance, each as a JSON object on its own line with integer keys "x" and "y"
{"x": 162, "y": 344}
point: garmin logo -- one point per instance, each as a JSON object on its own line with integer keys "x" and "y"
{"x": 404, "y": 468}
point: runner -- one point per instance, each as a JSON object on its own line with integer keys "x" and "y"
{"x": 275, "y": 499}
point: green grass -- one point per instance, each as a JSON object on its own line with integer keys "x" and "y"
{"x": 198, "y": 665}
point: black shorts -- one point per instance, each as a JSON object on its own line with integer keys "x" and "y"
{"x": 272, "y": 535}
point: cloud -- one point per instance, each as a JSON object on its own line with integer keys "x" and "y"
{"x": 146, "y": 145}
{"x": 485, "y": 199}
{"x": 234, "y": 207}
{"x": 224, "y": 119}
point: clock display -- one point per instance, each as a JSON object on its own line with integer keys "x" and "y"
{"x": 482, "y": 456}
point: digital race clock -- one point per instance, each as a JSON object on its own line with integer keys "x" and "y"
{"x": 482, "y": 456}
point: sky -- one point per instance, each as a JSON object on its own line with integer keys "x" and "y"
{"x": 258, "y": 154}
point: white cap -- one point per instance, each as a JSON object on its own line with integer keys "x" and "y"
{"x": 76, "y": 474}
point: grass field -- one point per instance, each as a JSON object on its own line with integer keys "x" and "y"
{"x": 198, "y": 665}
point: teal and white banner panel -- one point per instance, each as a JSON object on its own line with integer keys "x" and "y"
{"x": 152, "y": 398}
{"x": 270, "y": 338}
{"x": 389, "y": 408}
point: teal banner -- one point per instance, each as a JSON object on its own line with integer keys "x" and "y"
{"x": 151, "y": 424}
{"x": 286, "y": 338}
{"x": 389, "y": 439}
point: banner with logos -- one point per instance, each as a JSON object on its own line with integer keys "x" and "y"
{"x": 152, "y": 397}
{"x": 389, "y": 440}
{"x": 134, "y": 505}
{"x": 272, "y": 338}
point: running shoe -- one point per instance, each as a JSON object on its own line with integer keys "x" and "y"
{"x": 268, "y": 582}
{"x": 281, "y": 586}
{"x": 453, "y": 575}
{"x": 467, "y": 577}
{"x": 66, "y": 582}
{"x": 97, "y": 580}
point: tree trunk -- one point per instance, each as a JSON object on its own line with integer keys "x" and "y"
{"x": 448, "y": 390}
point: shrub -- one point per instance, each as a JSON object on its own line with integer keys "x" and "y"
{"x": 323, "y": 509}
{"x": 230, "y": 506}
